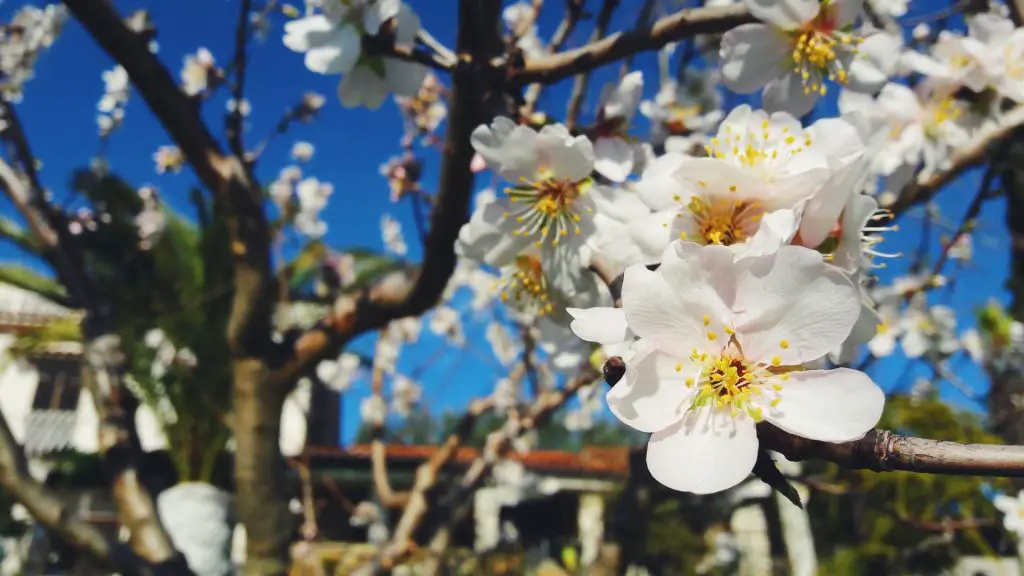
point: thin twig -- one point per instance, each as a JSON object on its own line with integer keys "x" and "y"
{"x": 580, "y": 84}
{"x": 682, "y": 24}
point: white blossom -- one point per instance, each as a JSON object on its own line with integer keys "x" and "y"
{"x": 801, "y": 46}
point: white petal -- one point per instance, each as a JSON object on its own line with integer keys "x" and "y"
{"x": 613, "y": 158}
{"x": 784, "y": 14}
{"x": 336, "y": 53}
{"x": 651, "y": 396}
{"x": 404, "y": 78}
{"x": 508, "y": 148}
{"x": 844, "y": 13}
{"x": 378, "y": 13}
{"x": 488, "y": 238}
{"x": 658, "y": 186}
{"x": 653, "y": 233}
{"x": 703, "y": 279}
{"x": 654, "y": 312}
{"x": 752, "y": 55}
{"x": 823, "y": 210}
{"x": 787, "y": 94}
{"x": 828, "y": 405}
{"x": 705, "y": 453}
{"x": 622, "y": 205}
{"x": 601, "y": 325}
{"x": 775, "y": 230}
{"x": 792, "y": 305}
{"x": 1006, "y": 504}
{"x": 363, "y": 86}
{"x": 875, "y": 62}
{"x": 626, "y": 97}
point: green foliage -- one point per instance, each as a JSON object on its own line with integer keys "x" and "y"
{"x": 33, "y": 281}
{"x": 885, "y": 522}
{"x": 182, "y": 285}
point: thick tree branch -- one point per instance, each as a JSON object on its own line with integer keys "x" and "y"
{"x": 474, "y": 100}
{"x": 260, "y": 477}
{"x": 882, "y": 451}
{"x": 682, "y": 24}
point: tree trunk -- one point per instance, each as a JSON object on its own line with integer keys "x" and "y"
{"x": 261, "y": 491}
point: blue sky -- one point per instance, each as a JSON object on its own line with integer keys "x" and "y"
{"x": 59, "y": 115}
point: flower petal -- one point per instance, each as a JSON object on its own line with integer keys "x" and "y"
{"x": 601, "y": 325}
{"x": 828, "y": 405}
{"x": 507, "y": 148}
{"x": 875, "y": 62}
{"x": 363, "y": 86}
{"x": 706, "y": 452}
{"x": 787, "y": 94}
{"x": 792, "y": 305}
{"x": 752, "y": 55}
{"x": 784, "y": 14}
{"x": 652, "y": 394}
{"x": 658, "y": 186}
{"x": 654, "y": 312}
{"x": 613, "y": 158}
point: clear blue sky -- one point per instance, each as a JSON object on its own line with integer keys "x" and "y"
{"x": 59, "y": 114}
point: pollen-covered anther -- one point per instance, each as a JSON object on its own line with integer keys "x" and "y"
{"x": 730, "y": 383}
{"x": 549, "y": 208}
{"x": 818, "y": 54}
{"x": 525, "y": 285}
{"x": 724, "y": 221}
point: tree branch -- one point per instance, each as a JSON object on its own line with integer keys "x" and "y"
{"x": 582, "y": 80}
{"x": 682, "y": 24}
{"x": 474, "y": 99}
{"x": 498, "y": 444}
{"x": 427, "y": 476}
{"x": 235, "y": 118}
{"x": 883, "y": 451}
{"x": 260, "y": 478}
{"x": 52, "y": 512}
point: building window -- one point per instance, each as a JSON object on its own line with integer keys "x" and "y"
{"x": 59, "y": 385}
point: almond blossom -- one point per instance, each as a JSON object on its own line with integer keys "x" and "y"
{"x": 550, "y": 210}
{"x": 332, "y": 43}
{"x": 195, "y": 73}
{"x": 1013, "y": 512}
{"x": 767, "y": 178}
{"x": 723, "y": 344}
{"x": 909, "y": 127}
{"x": 801, "y": 46}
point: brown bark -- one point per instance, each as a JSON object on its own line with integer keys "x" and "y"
{"x": 882, "y": 451}
{"x": 682, "y": 24}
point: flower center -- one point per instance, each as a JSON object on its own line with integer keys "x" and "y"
{"x": 524, "y": 284}
{"x": 760, "y": 147}
{"x": 730, "y": 382}
{"x": 723, "y": 221}
{"x": 821, "y": 52}
{"x": 946, "y": 110}
{"x": 678, "y": 115}
{"x": 548, "y": 208}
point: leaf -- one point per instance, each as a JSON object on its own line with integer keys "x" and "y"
{"x": 28, "y": 279}
{"x": 769, "y": 473}
{"x": 10, "y": 230}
